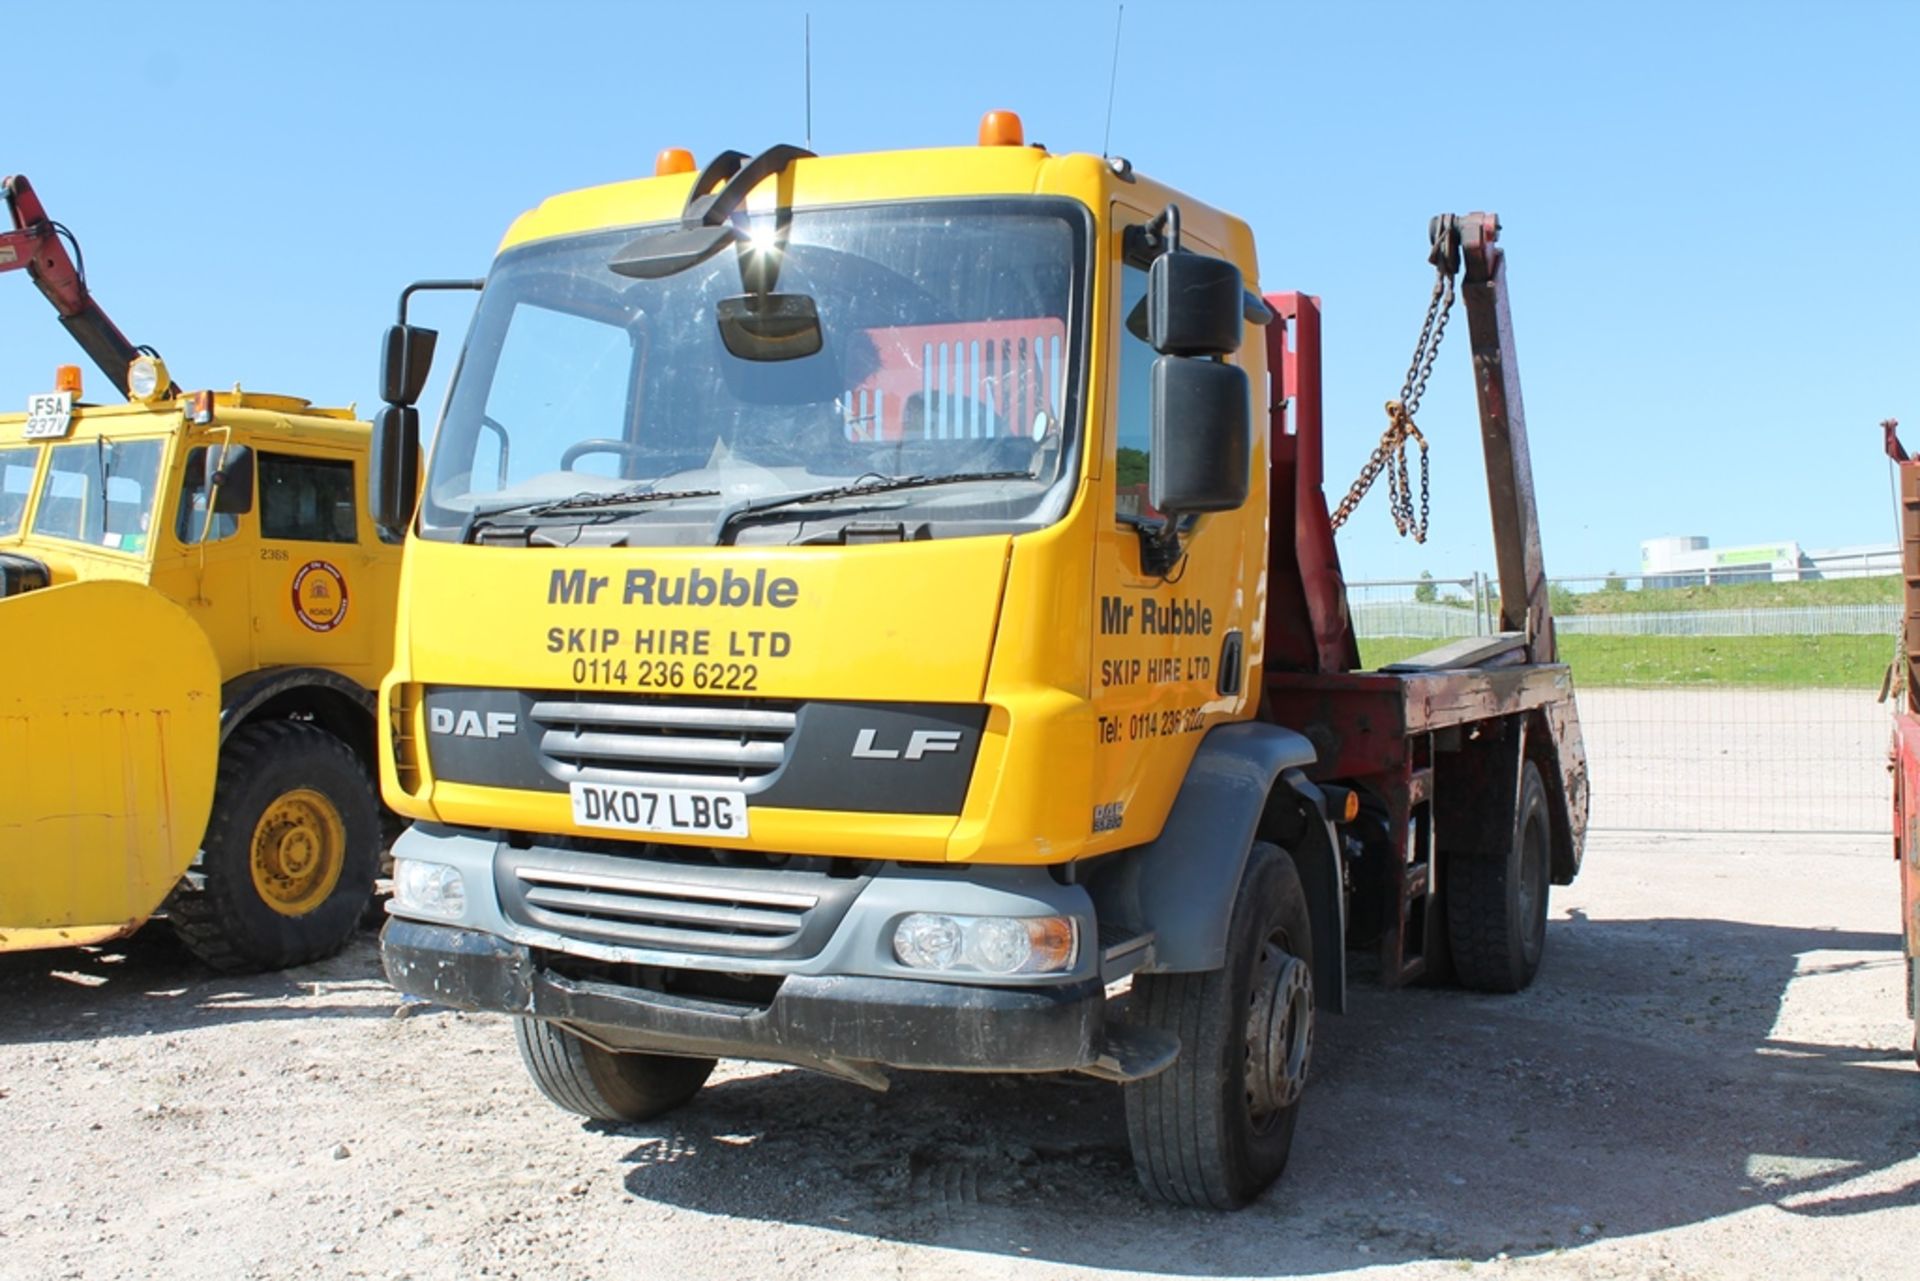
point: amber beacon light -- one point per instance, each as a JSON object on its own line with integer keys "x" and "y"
{"x": 1001, "y": 129}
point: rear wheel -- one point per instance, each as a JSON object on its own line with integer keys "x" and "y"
{"x": 287, "y": 865}
{"x": 580, "y": 1077}
{"x": 1215, "y": 1128}
{"x": 1497, "y": 898}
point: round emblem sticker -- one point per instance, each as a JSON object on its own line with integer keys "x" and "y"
{"x": 320, "y": 596}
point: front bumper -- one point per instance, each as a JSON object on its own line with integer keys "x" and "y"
{"x": 826, "y": 1021}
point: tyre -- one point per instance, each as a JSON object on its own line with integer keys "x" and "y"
{"x": 1214, "y": 1129}
{"x": 287, "y": 864}
{"x": 582, "y": 1078}
{"x": 1496, "y": 898}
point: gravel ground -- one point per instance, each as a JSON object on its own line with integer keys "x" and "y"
{"x": 1710, "y": 1078}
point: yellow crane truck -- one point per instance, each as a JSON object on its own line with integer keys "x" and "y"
{"x": 195, "y": 610}
{"x": 850, "y": 619}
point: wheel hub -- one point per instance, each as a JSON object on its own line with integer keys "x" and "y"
{"x": 1279, "y": 1033}
{"x": 298, "y": 850}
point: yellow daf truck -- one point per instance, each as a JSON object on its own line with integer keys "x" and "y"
{"x": 850, "y": 619}
{"x": 195, "y": 610}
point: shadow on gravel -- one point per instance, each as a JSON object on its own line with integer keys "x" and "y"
{"x": 150, "y": 984}
{"x": 1636, "y": 1087}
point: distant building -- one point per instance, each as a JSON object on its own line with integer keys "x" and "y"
{"x": 1687, "y": 561}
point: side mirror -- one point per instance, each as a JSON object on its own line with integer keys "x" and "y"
{"x": 660, "y": 254}
{"x": 405, "y": 357}
{"x": 1195, "y": 304}
{"x": 233, "y": 483}
{"x": 393, "y": 467}
{"x": 1201, "y": 428}
{"x": 769, "y": 326}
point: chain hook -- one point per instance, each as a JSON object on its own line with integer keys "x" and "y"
{"x": 1390, "y": 455}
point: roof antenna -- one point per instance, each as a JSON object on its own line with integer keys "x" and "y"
{"x": 1113, "y": 79}
{"x": 808, "y": 37}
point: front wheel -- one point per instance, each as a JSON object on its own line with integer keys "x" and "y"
{"x": 1214, "y": 1129}
{"x": 287, "y": 864}
{"x": 580, "y": 1077}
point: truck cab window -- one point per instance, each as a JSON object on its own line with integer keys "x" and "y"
{"x": 1131, "y": 441}
{"x": 191, "y": 522}
{"x": 947, "y": 349}
{"x": 100, "y": 492}
{"x": 308, "y": 500}
{"x": 557, "y": 371}
{"x": 16, "y": 485}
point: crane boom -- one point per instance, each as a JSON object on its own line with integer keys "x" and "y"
{"x": 34, "y": 245}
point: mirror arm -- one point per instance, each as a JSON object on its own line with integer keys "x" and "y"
{"x": 406, "y": 295}
{"x": 419, "y": 286}
{"x": 1164, "y": 230}
{"x": 1143, "y": 242}
{"x": 1160, "y": 545}
{"x": 773, "y": 160}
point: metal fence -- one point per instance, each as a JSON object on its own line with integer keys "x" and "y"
{"x": 1737, "y": 706}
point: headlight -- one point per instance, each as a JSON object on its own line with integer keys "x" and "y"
{"x": 429, "y": 889}
{"x": 986, "y": 944}
{"x": 147, "y": 378}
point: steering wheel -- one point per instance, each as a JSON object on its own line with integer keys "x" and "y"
{"x": 580, "y": 448}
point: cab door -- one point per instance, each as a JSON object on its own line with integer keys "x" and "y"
{"x": 1171, "y": 647}
{"x": 205, "y": 546}
{"x": 316, "y": 601}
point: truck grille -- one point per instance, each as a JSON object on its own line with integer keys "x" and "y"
{"x": 654, "y": 741}
{"x": 675, "y": 907}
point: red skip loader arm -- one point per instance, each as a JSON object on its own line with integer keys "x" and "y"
{"x": 34, "y": 245}
{"x": 1503, "y": 434}
{"x": 1399, "y": 733}
{"x": 1304, "y": 582}
{"x": 1303, "y": 574}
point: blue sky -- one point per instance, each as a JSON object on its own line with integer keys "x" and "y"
{"x": 1711, "y": 209}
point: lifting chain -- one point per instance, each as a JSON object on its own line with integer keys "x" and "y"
{"x": 1390, "y": 455}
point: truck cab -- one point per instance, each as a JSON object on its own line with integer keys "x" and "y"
{"x": 235, "y": 518}
{"x": 245, "y": 510}
{"x": 833, "y": 631}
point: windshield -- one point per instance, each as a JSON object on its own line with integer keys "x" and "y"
{"x": 947, "y": 341}
{"x": 16, "y": 485}
{"x": 71, "y": 506}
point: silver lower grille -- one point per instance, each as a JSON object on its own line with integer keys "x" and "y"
{"x": 719, "y": 911}
{"x": 653, "y": 741}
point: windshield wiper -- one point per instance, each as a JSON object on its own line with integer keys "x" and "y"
{"x": 539, "y": 508}
{"x": 756, "y": 511}
{"x": 619, "y": 498}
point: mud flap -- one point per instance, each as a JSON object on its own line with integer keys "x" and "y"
{"x": 109, "y": 736}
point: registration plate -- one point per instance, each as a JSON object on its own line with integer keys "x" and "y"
{"x": 49, "y": 414}
{"x": 659, "y": 809}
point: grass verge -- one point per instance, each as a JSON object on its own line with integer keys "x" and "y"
{"x": 1768, "y": 662}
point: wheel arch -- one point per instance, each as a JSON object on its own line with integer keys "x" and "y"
{"x": 1474, "y": 804}
{"x": 1246, "y": 782}
{"x": 336, "y": 704}
{"x": 1554, "y": 746}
